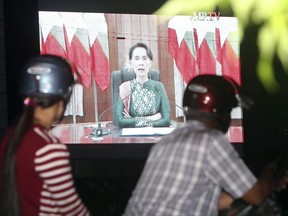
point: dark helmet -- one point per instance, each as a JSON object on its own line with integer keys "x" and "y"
{"x": 213, "y": 94}
{"x": 45, "y": 76}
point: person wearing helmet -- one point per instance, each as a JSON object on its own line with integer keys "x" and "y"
{"x": 194, "y": 170}
{"x": 36, "y": 177}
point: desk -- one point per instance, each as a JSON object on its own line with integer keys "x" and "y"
{"x": 107, "y": 156}
{"x": 110, "y": 155}
{"x": 111, "y": 146}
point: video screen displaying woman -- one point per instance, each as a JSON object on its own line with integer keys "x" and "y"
{"x": 143, "y": 101}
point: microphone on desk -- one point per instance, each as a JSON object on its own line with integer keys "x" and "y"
{"x": 102, "y": 131}
{"x": 99, "y": 131}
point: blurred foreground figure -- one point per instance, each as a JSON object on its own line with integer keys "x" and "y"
{"x": 36, "y": 176}
{"x": 194, "y": 170}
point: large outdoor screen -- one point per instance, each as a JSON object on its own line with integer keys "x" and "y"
{"x": 182, "y": 46}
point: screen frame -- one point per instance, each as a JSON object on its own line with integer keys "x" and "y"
{"x": 102, "y": 95}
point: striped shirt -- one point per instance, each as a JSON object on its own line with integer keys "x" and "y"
{"x": 44, "y": 178}
{"x": 186, "y": 172}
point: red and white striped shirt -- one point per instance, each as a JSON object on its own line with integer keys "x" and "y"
{"x": 44, "y": 178}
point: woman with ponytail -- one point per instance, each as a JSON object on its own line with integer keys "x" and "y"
{"x": 35, "y": 171}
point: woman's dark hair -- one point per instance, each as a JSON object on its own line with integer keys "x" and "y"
{"x": 9, "y": 198}
{"x": 143, "y": 45}
{"x": 44, "y": 81}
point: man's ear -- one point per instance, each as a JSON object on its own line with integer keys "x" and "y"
{"x": 60, "y": 107}
{"x": 60, "y": 110}
{"x": 61, "y": 103}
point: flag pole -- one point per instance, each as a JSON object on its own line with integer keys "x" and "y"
{"x": 74, "y": 104}
{"x": 95, "y": 99}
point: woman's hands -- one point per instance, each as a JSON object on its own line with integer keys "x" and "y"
{"x": 150, "y": 118}
{"x": 126, "y": 113}
{"x": 154, "y": 117}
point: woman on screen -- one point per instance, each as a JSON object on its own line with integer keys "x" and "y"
{"x": 35, "y": 171}
{"x": 143, "y": 101}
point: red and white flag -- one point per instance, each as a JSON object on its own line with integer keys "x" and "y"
{"x": 230, "y": 62}
{"x": 205, "y": 47}
{"x": 99, "y": 48}
{"x": 77, "y": 45}
{"x": 205, "y": 54}
{"x": 227, "y": 42}
{"x": 181, "y": 46}
{"x": 51, "y": 34}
